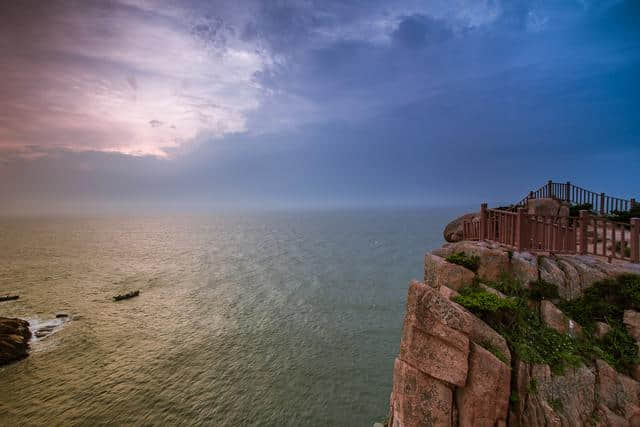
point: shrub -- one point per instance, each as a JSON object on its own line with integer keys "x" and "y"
{"x": 507, "y": 284}
{"x": 540, "y": 290}
{"x": 575, "y": 209}
{"x": 605, "y": 301}
{"x": 530, "y": 340}
{"x": 525, "y": 333}
{"x": 495, "y": 351}
{"x": 481, "y": 302}
{"x": 625, "y": 216}
{"x": 620, "y": 349}
{"x": 472, "y": 262}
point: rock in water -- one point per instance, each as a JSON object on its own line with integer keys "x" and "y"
{"x": 14, "y": 339}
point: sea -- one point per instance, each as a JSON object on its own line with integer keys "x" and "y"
{"x": 288, "y": 318}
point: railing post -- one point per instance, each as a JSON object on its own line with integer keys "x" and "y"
{"x": 601, "y": 203}
{"x": 520, "y": 229}
{"x": 532, "y": 195}
{"x": 584, "y": 227}
{"x": 635, "y": 234}
{"x": 550, "y": 189}
{"x": 483, "y": 221}
{"x": 567, "y": 192}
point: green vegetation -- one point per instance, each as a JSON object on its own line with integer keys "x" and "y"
{"x": 625, "y": 216}
{"x": 484, "y": 303}
{"x": 495, "y": 351}
{"x": 621, "y": 349}
{"x": 540, "y": 290}
{"x": 509, "y": 285}
{"x": 469, "y": 261}
{"x": 556, "y": 404}
{"x": 532, "y": 341}
{"x": 605, "y": 301}
{"x": 626, "y": 252}
{"x": 514, "y": 398}
{"x": 575, "y": 209}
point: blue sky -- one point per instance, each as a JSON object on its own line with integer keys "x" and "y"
{"x": 177, "y": 104}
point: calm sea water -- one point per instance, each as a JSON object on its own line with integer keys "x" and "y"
{"x": 260, "y": 319}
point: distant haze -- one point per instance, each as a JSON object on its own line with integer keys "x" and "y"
{"x": 182, "y": 105}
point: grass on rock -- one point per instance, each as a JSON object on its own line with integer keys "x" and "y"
{"x": 532, "y": 341}
{"x": 472, "y": 262}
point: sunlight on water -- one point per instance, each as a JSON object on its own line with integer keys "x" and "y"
{"x": 241, "y": 320}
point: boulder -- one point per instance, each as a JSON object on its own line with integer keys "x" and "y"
{"x": 438, "y": 272}
{"x": 418, "y": 399}
{"x": 425, "y": 305}
{"x": 447, "y": 292}
{"x": 547, "y": 207}
{"x": 485, "y": 336}
{"x": 554, "y": 318}
{"x": 453, "y": 231}
{"x": 435, "y": 335}
{"x": 631, "y": 320}
{"x": 545, "y": 399}
{"x": 484, "y": 400}
{"x": 14, "y": 339}
{"x": 495, "y": 260}
{"x": 619, "y": 395}
{"x": 601, "y": 329}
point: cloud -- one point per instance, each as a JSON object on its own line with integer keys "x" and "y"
{"x": 419, "y": 30}
{"x": 301, "y": 100}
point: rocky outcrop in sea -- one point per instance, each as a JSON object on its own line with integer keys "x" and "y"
{"x": 14, "y": 339}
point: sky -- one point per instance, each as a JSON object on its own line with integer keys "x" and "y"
{"x": 170, "y": 105}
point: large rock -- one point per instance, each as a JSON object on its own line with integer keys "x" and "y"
{"x": 619, "y": 396}
{"x": 435, "y": 335}
{"x": 554, "y": 318}
{"x": 547, "y": 207}
{"x": 545, "y": 399}
{"x": 14, "y": 339}
{"x": 486, "y": 336}
{"x": 419, "y": 400}
{"x": 438, "y": 272}
{"x": 601, "y": 329}
{"x": 631, "y": 320}
{"x": 495, "y": 260}
{"x": 484, "y": 400}
{"x": 453, "y": 231}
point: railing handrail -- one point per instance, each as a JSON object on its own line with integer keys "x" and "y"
{"x": 586, "y": 234}
{"x": 574, "y": 194}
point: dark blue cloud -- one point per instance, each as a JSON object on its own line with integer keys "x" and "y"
{"x": 367, "y": 103}
{"x": 419, "y": 30}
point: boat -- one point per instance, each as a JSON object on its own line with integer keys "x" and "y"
{"x": 126, "y": 296}
{"x": 9, "y": 298}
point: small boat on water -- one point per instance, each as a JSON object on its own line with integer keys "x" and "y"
{"x": 9, "y": 298}
{"x": 126, "y": 296}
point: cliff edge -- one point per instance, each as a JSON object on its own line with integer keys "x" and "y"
{"x": 494, "y": 337}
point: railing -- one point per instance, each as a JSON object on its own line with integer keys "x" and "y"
{"x": 587, "y": 234}
{"x": 600, "y": 202}
{"x": 501, "y": 226}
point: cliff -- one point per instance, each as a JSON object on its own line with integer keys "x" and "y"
{"x": 495, "y": 337}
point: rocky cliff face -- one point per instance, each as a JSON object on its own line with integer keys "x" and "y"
{"x": 454, "y": 369}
